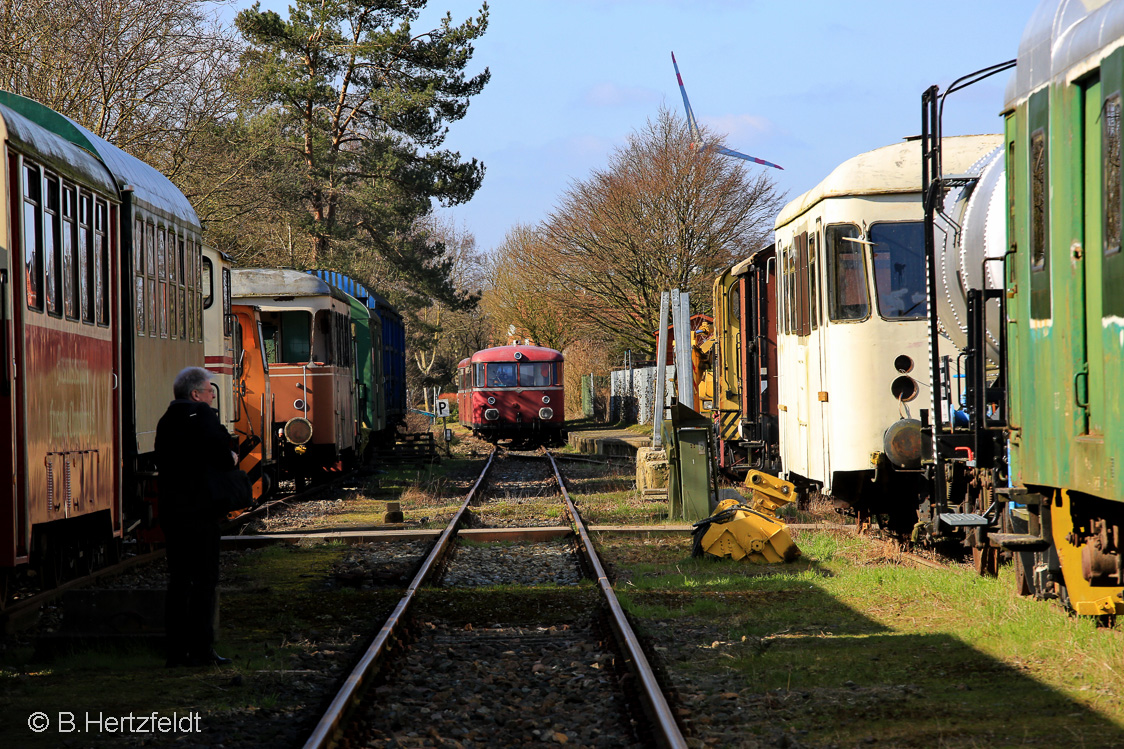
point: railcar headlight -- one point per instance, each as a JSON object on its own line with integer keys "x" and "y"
{"x": 492, "y": 414}
{"x": 298, "y": 404}
{"x": 546, "y": 399}
{"x": 298, "y": 430}
{"x": 903, "y": 364}
{"x": 491, "y": 401}
{"x": 546, "y": 414}
{"x": 902, "y": 443}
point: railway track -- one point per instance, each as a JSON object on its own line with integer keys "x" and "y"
{"x": 12, "y": 612}
{"x": 521, "y": 662}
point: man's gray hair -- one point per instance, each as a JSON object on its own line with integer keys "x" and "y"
{"x": 190, "y": 379}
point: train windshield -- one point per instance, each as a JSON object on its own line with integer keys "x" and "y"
{"x": 501, "y": 375}
{"x": 846, "y": 273}
{"x": 536, "y": 374}
{"x": 899, "y": 269}
{"x": 286, "y": 337}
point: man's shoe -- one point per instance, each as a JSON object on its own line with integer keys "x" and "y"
{"x": 211, "y": 659}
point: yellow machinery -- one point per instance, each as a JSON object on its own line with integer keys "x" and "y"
{"x": 749, "y": 531}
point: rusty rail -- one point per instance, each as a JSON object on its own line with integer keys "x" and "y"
{"x": 664, "y": 727}
{"x": 16, "y": 609}
{"x": 327, "y": 730}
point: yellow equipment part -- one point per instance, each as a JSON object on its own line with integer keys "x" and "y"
{"x": 752, "y": 532}
{"x": 769, "y": 492}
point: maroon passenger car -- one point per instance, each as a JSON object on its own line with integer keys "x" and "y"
{"x": 513, "y": 393}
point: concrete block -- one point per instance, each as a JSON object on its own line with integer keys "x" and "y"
{"x": 652, "y": 469}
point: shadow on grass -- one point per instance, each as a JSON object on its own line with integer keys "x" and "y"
{"x": 788, "y": 657}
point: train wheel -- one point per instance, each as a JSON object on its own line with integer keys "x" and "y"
{"x": 1024, "y": 573}
{"x": 986, "y": 560}
{"x": 1083, "y": 597}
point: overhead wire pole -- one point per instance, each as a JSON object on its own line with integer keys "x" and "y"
{"x": 661, "y": 373}
{"x": 683, "y": 372}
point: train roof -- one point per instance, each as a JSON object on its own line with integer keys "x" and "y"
{"x": 349, "y": 285}
{"x": 57, "y": 152}
{"x": 1059, "y": 37}
{"x": 889, "y": 170}
{"x": 359, "y": 311}
{"x": 146, "y": 182}
{"x": 277, "y": 283}
{"x": 507, "y": 353}
{"x": 739, "y": 268}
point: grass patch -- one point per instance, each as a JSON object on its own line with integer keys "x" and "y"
{"x": 851, "y": 644}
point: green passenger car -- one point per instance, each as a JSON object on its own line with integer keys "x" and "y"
{"x": 366, "y": 337}
{"x": 1065, "y": 289}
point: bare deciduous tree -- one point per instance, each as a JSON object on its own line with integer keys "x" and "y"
{"x": 146, "y": 75}
{"x": 661, "y": 215}
{"x": 523, "y": 297}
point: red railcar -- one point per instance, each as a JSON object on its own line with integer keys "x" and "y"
{"x": 513, "y": 393}
{"x": 99, "y": 308}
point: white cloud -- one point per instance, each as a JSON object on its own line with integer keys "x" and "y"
{"x": 612, "y": 95}
{"x": 733, "y": 126}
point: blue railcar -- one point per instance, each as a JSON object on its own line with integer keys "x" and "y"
{"x": 393, "y": 344}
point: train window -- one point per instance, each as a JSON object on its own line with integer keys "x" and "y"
{"x": 206, "y": 283}
{"x": 784, "y": 287}
{"x": 802, "y": 300}
{"x": 181, "y": 258}
{"x": 138, "y": 269}
{"x": 86, "y": 255}
{"x": 70, "y": 252}
{"x": 162, "y": 307}
{"x": 52, "y": 257}
{"x": 791, "y": 301}
{"x": 813, "y": 285}
{"x": 138, "y": 247}
{"x": 151, "y": 295}
{"x": 1110, "y": 183}
{"x": 150, "y": 249}
{"x": 1038, "y": 200}
{"x": 293, "y": 331}
{"x": 226, "y": 316}
{"x": 480, "y": 380}
{"x": 33, "y": 235}
{"x": 173, "y": 294}
{"x": 899, "y": 269}
{"x": 140, "y": 304}
{"x": 846, "y": 274}
{"x": 536, "y": 374}
{"x": 501, "y": 374}
{"x": 101, "y": 262}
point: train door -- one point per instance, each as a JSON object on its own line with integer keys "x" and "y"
{"x": 1110, "y": 321}
{"x": 818, "y": 323}
{"x": 1101, "y": 128}
{"x": 13, "y": 513}
{"x": 803, "y": 365}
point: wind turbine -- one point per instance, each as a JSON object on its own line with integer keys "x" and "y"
{"x": 696, "y": 136}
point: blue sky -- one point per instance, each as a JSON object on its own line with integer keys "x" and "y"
{"x": 804, "y": 83}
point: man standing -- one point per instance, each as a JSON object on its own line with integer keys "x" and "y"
{"x": 191, "y": 446}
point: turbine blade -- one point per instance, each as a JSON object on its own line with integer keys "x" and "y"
{"x": 739, "y": 155}
{"x": 692, "y": 126}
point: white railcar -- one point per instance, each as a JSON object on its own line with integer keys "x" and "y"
{"x": 852, "y": 331}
